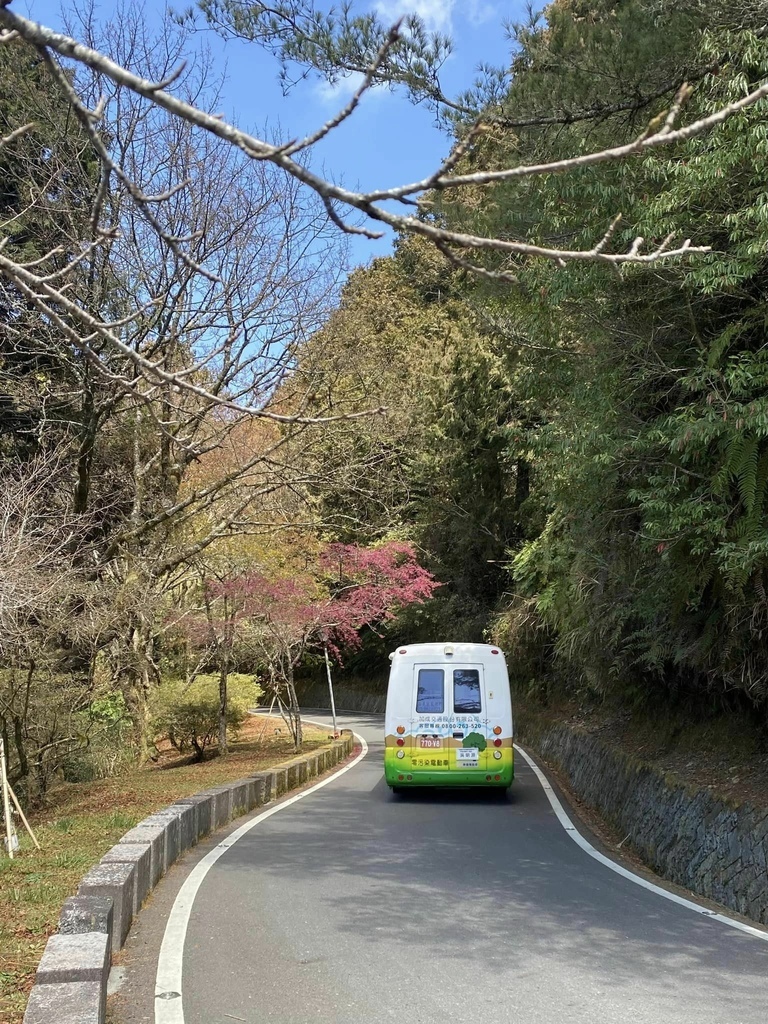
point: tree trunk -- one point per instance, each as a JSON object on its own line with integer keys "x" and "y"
{"x": 20, "y": 723}
{"x": 87, "y": 444}
{"x": 21, "y": 751}
{"x": 140, "y": 685}
{"x": 225, "y": 648}
{"x": 223, "y": 746}
{"x": 523, "y": 484}
{"x": 293, "y": 707}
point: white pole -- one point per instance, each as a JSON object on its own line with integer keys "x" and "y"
{"x": 330, "y": 689}
{"x": 23, "y": 817}
{"x": 6, "y": 802}
{"x": 266, "y": 721}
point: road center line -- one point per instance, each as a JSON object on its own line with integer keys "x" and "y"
{"x": 168, "y": 992}
{"x": 579, "y": 839}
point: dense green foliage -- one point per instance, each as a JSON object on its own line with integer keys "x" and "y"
{"x": 435, "y": 466}
{"x": 650, "y": 565}
{"x": 604, "y": 433}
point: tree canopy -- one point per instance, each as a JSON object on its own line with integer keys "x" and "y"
{"x": 550, "y": 399}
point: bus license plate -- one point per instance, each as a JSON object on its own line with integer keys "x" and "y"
{"x": 467, "y": 757}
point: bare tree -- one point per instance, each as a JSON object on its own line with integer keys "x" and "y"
{"x": 38, "y": 538}
{"x": 212, "y": 273}
{"x": 41, "y": 591}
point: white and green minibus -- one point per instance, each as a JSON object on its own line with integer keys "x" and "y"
{"x": 448, "y": 719}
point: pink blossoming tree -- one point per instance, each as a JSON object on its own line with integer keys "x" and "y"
{"x": 327, "y": 604}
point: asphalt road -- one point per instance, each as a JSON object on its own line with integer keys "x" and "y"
{"x": 353, "y": 905}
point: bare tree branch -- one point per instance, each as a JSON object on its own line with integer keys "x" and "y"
{"x": 370, "y": 203}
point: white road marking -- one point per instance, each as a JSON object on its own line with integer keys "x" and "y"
{"x": 579, "y": 839}
{"x": 168, "y": 993}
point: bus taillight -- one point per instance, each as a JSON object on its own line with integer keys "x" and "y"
{"x": 496, "y": 730}
{"x": 401, "y": 741}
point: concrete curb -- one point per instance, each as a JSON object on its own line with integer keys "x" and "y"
{"x": 71, "y": 982}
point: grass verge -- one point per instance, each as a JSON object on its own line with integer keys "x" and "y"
{"x": 82, "y": 821}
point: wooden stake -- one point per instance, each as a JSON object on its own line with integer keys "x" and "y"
{"x": 23, "y": 818}
{"x": 266, "y": 721}
{"x": 4, "y": 784}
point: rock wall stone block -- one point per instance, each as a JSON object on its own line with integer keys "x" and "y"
{"x": 79, "y": 1002}
{"x": 222, "y": 805}
{"x": 204, "y": 812}
{"x": 83, "y": 957}
{"x": 81, "y": 914}
{"x": 239, "y": 792}
{"x": 156, "y": 835}
{"x": 140, "y": 855}
{"x": 255, "y": 793}
{"x": 171, "y": 826}
{"x": 187, "y": 815}
{"x": 263, "y": 780}
{"x": 279, "y": 781}
{"x": 115, "y": 882}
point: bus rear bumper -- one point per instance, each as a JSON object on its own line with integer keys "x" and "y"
{"x": 452, "y": 779}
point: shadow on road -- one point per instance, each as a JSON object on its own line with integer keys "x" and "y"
{"x": 491, "y": 881}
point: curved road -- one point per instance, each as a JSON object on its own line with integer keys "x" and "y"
{"x": 352, "y": 906}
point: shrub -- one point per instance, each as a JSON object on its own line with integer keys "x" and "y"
{"x": 104, "y": 746}
{"x": 188, "y": 714}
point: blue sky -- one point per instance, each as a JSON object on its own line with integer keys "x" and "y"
{"x": 387, "y": 141}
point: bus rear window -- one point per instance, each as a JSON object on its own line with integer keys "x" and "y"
{"x": 429, "y": 692}
{"x": 466, "y": 691}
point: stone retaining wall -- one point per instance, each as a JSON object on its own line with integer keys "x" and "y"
{"x": 686, "y": 835}
{"x": 346, "y": 698}
{"x": 71, "y": 982}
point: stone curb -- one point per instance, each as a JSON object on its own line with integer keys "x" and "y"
{"x": 71, "y": 982}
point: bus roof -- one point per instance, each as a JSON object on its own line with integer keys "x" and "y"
{"x": 447, "y": 648}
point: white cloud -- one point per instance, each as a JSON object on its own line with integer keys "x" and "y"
{"x": 341, "y": 91}
{"x": 437, "y": 15}
{"x": 479, "y": 11}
